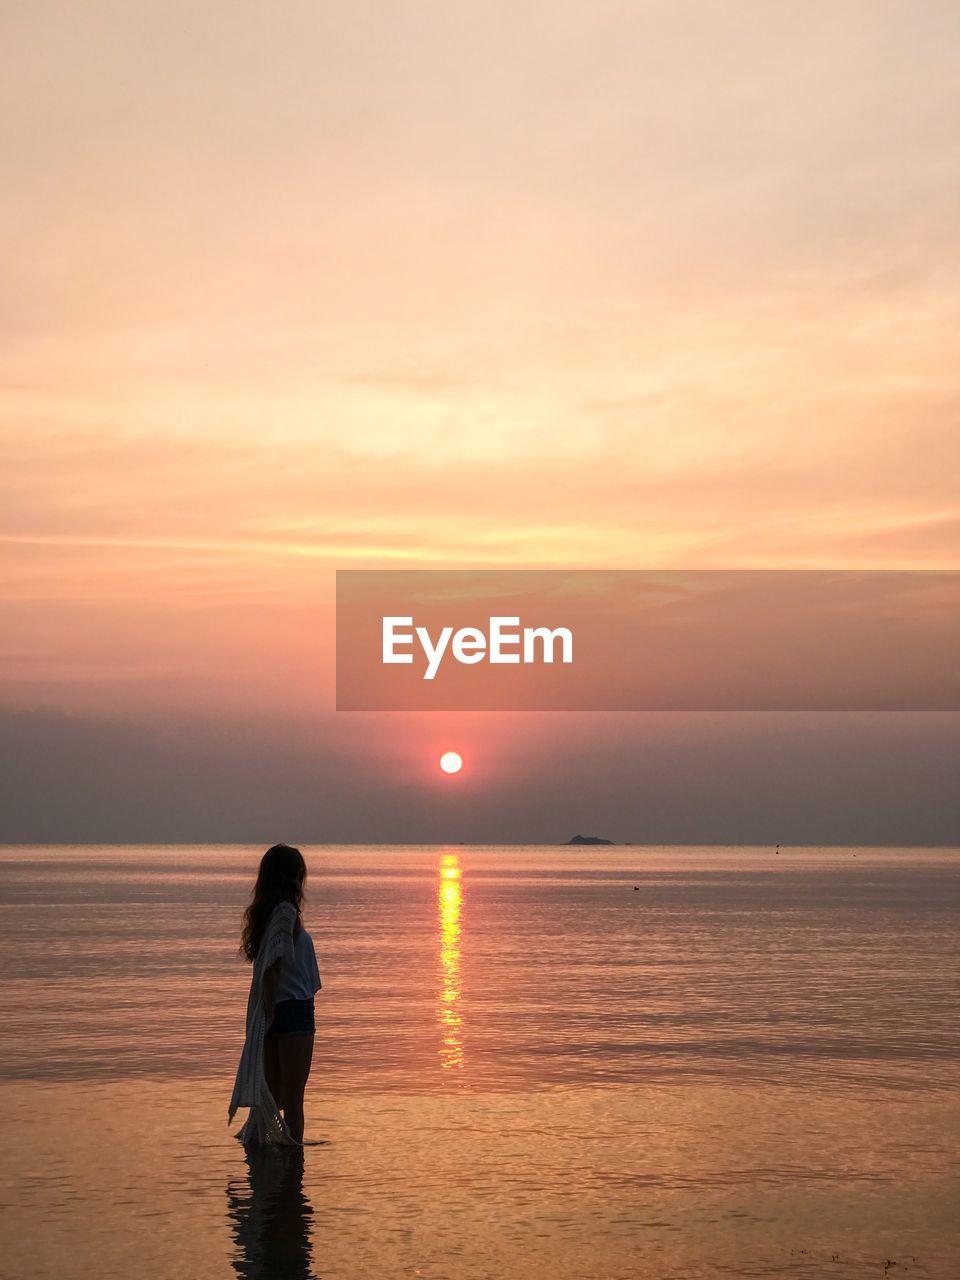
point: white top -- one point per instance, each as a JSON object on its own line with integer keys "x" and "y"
{"x": 299, "y": 976}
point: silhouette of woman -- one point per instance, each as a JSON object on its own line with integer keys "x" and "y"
{"x": 278, "y": 1050}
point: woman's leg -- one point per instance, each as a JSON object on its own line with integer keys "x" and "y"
{"x": 271, "y": 1067}
{"x": 296, "y": 1054}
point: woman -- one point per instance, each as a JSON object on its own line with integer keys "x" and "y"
{"x": 278, "y": 1050}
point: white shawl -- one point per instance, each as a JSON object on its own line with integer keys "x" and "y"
{"x": 264, "y": 1123}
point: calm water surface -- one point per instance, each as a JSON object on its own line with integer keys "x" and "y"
{"x": 626, "y": 1062}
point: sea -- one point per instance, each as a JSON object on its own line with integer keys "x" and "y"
{"x": 654, "y": 1063}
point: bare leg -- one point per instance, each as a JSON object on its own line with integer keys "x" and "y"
{"x": 296, "y": 1055}
{"x": 271, "y": 1067}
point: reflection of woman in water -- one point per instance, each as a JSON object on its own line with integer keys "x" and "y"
{"x": 278, "y": 1050}
{"x": 270, "y": 1217}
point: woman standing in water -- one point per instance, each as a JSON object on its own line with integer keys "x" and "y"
{"x": 278, "y": 1049}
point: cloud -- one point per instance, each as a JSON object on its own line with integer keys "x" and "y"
{"x": 618, "y": 285}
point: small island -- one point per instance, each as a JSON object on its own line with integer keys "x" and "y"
{"x": 589, "y": 840}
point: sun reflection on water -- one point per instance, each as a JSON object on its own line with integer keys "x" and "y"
{"x": 449, "y": 993}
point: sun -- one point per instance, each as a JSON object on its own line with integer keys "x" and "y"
{"x": 450, "y": 762}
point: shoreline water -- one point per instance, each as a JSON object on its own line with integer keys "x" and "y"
{"x": 523, "y": 1067}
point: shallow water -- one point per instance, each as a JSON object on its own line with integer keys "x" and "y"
{"x": 744, "y": 1066}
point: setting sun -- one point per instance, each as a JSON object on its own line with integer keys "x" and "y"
{"x": 450, "y": 762}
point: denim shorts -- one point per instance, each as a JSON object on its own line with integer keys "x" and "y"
{"x": 292, "y": 1018}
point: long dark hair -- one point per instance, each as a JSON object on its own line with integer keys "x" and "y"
{"x": 281, "y": 878}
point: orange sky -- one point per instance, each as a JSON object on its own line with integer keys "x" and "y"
{"x": 586, "y": 285}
